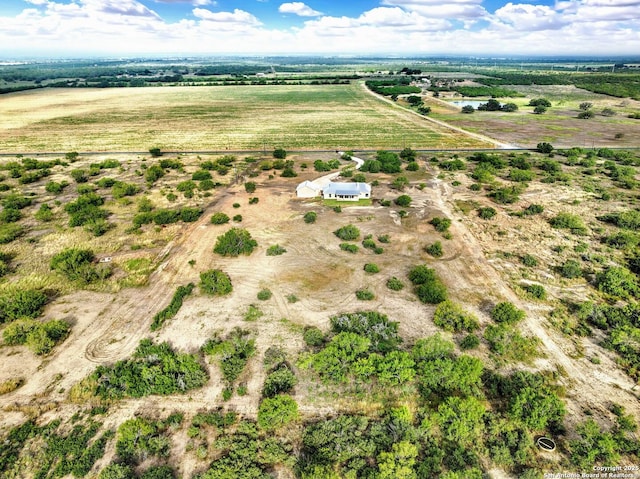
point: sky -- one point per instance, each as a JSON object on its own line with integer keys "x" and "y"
{"x": 493, "y": 28}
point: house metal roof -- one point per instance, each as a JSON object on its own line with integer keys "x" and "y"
{"x": 347, "y": 189}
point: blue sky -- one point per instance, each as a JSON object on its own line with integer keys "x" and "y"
{"x": 70, "y": 28}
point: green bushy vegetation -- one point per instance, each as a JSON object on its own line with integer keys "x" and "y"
{"x": 347, "y": 233}
{"x": 487, "y": 213}
{"x": 371, "y": 268}
{"x": 568, "y": 221}
{"x": 139, "y": 438}
{"x": 219, "y": 218}
{"x": 21, "y": 303}
{"x": 275, "y": 250}
{"x": 310, "y": 217}
{"x": 440, "y": 224}
{"x": 451, "y": 317}
{"x": 40, "y": 337}
{"x": 276, "y": 412}
{"x": 395, "y": 284}
{"x": 365, "y": 294}
{"x": 235, "y": 242}
{"x": 435, "y": 249}
{"x": 153, "y": 369}
{"x": 507, "y": 313}
{"x": 351, "y": 248}
{"x": 215, "y": 282}
{"x": 232, "y": 353}
{"x": 173, "y": 308}
{"x": 77, "y": 265}
{"x": 427, "y": 286}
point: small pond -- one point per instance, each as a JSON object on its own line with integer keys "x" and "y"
{"x": 473, "y": 103}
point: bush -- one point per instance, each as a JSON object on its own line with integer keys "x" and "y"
{"x": 280, "y": 153}
{"x": 155, "y": 152}
{"x": 470, "y": 341}
{"x": 10, "y": 232}
{"x": 313, "y": 336}
{"x": 190, "y": 215}
{"x": 451, "y": 317}
{"x": 617, "y": 281}
{"x": 173, "y": 308}
{"x": 435, "y": 249}
{"x": 215, "y": 282}
{"x": 351, "y": 248}
{"x": 568, "y": 221}
{"x": 165, "y": 217}
{"x": 310, "y": 217}
{"x": 371, "y": 268}
{"x": 507, "y": 313}
{"x": 9, "y": 215}
{"x": 39, "y": 337}
{"x": 529, "y": 260}
{"x": 233, "y": 352}
{"x": 153, "y": 369}
{"x": 237, "y": 218}
{"x": 403, "y": 200}
{"x": 45, "y": 213}
{"x": 487, "y": 213}
{"x": 277, "y": 412}
{"x": 571, "y": 269}
{"x": 533, "y": 209}
{"x": 80, "y": 176}
{"x": 365, "y": 295}
{"x": 282, "y": 380}
{"x": 395, "y": 284}
{"x": 544, "y": 147}
{"x": 535, "y": 290}
{"x": 76, "y": 265}
{"x": 440, "y": 224}
{"x": 250, "y": 187}
{"x": 55, "y": 188}
{"x": 235, "y": 242}
{"x": 264, "y": 294}
{"x": 201, "y": 175}
{"x": 275, "y": 250}
{"x": 219, "y": 218}
{"x": 348, "y": 233}
{"x": 506, "y": 195}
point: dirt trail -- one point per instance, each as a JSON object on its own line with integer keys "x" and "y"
{"x": 589, "y": 386}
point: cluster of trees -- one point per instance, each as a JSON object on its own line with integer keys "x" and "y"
{"x": 277, "y": 408}
{"x": 494, "y": 105}
{"x": 392, "y": 87}
{"x": 21, "y": 303}
{"x": 153, "y": 369}
{"x": 215, "y": 282}
{"x": 168, "y": 216}
{"x": 85, "y": 211}
{"x": 427, "y": 286}
{"x": 385, "y": 162}
{"x": 78, "y": 265}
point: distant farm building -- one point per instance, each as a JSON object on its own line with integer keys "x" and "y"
{"x": 346, "y": 191}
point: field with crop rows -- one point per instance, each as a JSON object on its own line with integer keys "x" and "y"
{"x": 214, "y": 118}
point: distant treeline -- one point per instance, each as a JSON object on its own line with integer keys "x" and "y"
{"x": 392, "y": 86}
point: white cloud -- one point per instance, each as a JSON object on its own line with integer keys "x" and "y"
{"x": 236, "y": 17}
{"x": 196, "y": 3}
{"x": 527, "y": 17}
{"x": 298, "y": 8}
{"x": 452, "y": 9}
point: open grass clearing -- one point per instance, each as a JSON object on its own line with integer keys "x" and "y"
{"x": 214, "y": 118}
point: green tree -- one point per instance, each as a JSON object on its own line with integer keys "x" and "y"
{"x": 235, "y": 242}
{"x": 540, "y": 110}
{"x": 276, "y": 412}
{"x": 155, "y": 152}
{"x": 215, "y": 282}
{"x": 399, "y": 462}
{"x": 451, "y": 317}
{"x": 280, "y": 153}
{"x": 468, "y": 109}
{"x": 250, "y": 187}
{"x": 403, "y": 200}
{"x": 348, "y": 233}
{"x": 544, "y": 147}
{"x": 460, "y": 420}
{"x": 507, "y": 313}
{"x": 617, "y": 281}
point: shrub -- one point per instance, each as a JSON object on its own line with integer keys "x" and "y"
{"x": 506, "y": 195}
{"x": 280, "y": 153}
{"x": 165, "y": 217}
{"x": 313, "y": 336}
{"x": 201, "y": 175}
{"x": 507, "y": 313}
{"x": 571, "y": 269}
{"x": 371, "y": 268}
{"x": 9, "y": 215}
{"x": 617, "y": 281}
{"x": 403, "y": 200}
{"x": 80, "y": 176}
{"x": 235, "y": 242}
{"x": 451, "y": 317}
{"x": 45, "y": 213}
{"x": 348, "y": 233}
{"x": 215, "y": 282}
{"x": 155, "y": 152}
{"x": 365, "y": 295}
{"x": 189, "y": 215}
{"x": 440, "y": 224}
{"x": 487, "y": 213}
{"x": 21, "y": 303}
{"x": 535, "y": 290}
{"x": 282, "y": 380}
{"x": 233, "y": 352}
{"x": 76, "y": 265}
{"x": 250, "y": 187}
{"x": 275, "y": 250}
{"x": 529, "y": 260}
{"x": 533, "y": 209}
{"x": 10, "y": 232}
{"x": 395, "y": 284}
{"x": 544, "y": 147}
{"x": 237, "y": 218}
{"x": 470, "y": 341}
{"x": 219, "y": 218}
{"x": 351, "y": 248}
{"x": 264, "y": 294}
{"x": 435, "y": 249}
{"x": 173, "y": 308}
{"x": 277, "y": 412}
{"x": 568, "y": 221}
{"x": 53, "y": 187}
{"x": 310, "y": 217}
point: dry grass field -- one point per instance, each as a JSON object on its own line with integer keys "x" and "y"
{"x": 214, "y": 118}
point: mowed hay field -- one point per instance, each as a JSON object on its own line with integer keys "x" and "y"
{"x": 214, "y": 118}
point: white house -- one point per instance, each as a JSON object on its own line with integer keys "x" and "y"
{"x": 308, "y": 189}
{"x": 346, "y": 191}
